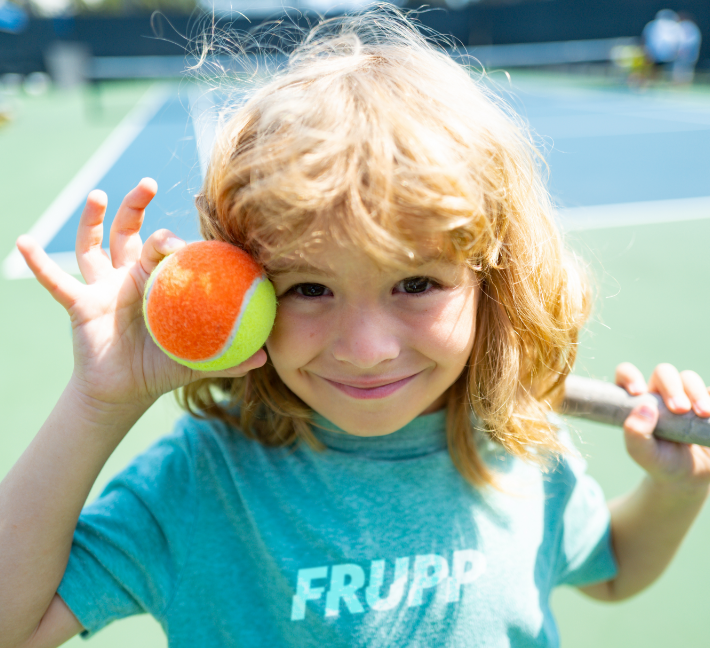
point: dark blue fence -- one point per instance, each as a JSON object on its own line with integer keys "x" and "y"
{"x": 479, "y": 24}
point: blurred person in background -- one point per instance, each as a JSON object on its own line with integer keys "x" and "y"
{"x": 683, "y": 69}
{"x": 662, "y": 39}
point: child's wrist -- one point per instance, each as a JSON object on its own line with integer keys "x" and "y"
{"x": 101, "y": 410}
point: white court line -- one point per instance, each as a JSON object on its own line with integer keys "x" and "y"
{"x": 636, "y": 213}
{"x": 96, "y": 167}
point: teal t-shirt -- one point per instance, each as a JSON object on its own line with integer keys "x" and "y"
{"x": 373, "y": 542}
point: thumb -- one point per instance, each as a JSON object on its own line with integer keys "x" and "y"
{"x": 159, "y": 245}
{"x": 638, "y": 430}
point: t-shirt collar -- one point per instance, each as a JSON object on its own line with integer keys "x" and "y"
{"x": 422, "y": 436}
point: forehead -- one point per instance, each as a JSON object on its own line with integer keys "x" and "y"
{"x": 339, "y": 261}
{"x": 364, "y": 269}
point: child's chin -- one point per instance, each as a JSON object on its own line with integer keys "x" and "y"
{"x": 369, "y": 424}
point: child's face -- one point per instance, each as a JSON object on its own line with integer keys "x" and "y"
{"x": 336, "y": 334}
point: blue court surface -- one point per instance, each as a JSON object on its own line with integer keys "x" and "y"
{"x": 158, "y": 138}
{"x": 615, "y": 158}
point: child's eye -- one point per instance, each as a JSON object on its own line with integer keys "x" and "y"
{"x": 418, "y": 285}
{"x": 307, "y": 290}
{"x": 409, "y": 286}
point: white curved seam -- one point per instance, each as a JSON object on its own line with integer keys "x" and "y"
{"x": 235, "y": 327}
{"x": 245, "y": 304}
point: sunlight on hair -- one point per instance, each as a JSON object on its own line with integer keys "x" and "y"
{"x": 371, "y": 136}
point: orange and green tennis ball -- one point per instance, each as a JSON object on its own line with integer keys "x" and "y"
{"x": 209, "y": 306}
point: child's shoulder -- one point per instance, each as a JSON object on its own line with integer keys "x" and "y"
{"x": 573, "y": 457}
{"x": 567, "y": 477}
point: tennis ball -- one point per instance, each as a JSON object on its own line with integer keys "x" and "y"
{"x": 209, "y": 306}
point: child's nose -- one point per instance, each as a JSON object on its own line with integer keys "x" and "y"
{"x": 365, "y": 339}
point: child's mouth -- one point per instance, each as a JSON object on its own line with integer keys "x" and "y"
{"x": 371, "y": 392}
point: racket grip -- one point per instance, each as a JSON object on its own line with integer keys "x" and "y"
{"x": 603, "y": 402}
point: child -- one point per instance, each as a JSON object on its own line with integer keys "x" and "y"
{"x": 387, "y": 471}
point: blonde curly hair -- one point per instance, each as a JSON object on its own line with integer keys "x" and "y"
{"x": 371, "y": 136}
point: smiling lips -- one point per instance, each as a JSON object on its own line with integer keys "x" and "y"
{"x": 379, "y": 391}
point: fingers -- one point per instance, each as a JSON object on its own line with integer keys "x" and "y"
{"x": 92, "y": 259}
{"x": 630, "y": 378}
{"x": 254, "y": 362}
{"x": 125, "y": 242}
{"x": 157, "y": 247}
{"x": 666, "y": 381}
{"x": 63, "y": 287}
{"x": 697, "y": 392}
{"x": 680, "y": 391}
{"x": 259, "y": 359}
{"x": 664, "y": 460}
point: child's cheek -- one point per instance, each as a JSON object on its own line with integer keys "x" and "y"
{"x": 293, "y": 338}
{"x": 451, "y": 325}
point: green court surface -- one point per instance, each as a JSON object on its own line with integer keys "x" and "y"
{"x": 652, "y": 306}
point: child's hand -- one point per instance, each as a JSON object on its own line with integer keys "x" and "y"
{"x": 115, "y": 359}
{"x": 666, "y": 462}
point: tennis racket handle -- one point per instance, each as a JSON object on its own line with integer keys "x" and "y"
{"x": 603, "y": 402}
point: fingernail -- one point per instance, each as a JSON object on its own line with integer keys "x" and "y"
{"x": 703, "y": 405}
{"x": 173, "y": 243}
{"x": 637, "y": 388}
{"x": 679, "y": 403}
{"x": 647, "y": 412}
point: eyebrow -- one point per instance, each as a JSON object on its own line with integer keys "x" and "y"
{"x": 305, "y": 268}
{"x": 302, "y": 268}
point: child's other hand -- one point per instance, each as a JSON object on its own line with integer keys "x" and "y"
{"x": 115, "y": 360}
{"x": 666, "y": 462}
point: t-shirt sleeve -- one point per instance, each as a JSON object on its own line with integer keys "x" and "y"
{"x": 131, "y": 543}
{"x": 586, "y": 553}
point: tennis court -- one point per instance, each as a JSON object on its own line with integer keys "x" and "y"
{"x": 630, "y": 171}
